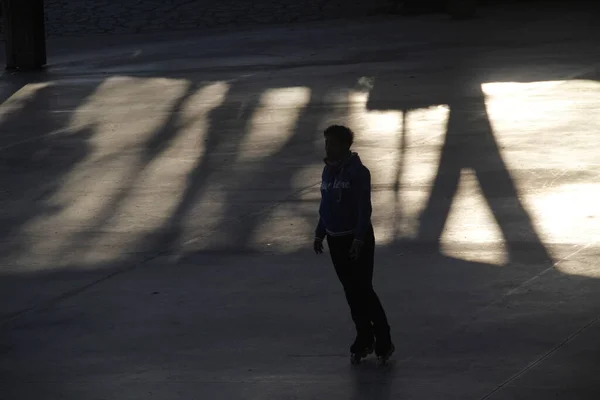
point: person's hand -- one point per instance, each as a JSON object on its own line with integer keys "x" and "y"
{"x": 355, "y": 250}
{"x": 318, "y": 246}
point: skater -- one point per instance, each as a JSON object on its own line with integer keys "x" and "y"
{"x": 345, "y": 219}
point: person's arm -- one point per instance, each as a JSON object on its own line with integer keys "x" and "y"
{"x": 320, "y": 231}
{"x": 362, "y": 189}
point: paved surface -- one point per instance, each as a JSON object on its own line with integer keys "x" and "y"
{"x": 77, "y": 17}
{"x": 157, "y": 210}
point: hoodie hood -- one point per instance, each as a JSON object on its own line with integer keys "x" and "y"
{"x": 351, "y": 159}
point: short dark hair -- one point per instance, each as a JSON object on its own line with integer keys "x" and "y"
{"x": 340, "y": 132}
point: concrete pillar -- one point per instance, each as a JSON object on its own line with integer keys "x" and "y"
{"x": 24, "y": 34}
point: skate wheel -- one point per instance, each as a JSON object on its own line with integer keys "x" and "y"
{"x": 356, "y": 358}
{"x": 383, "y": 360}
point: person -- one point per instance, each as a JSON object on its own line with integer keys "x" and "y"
{"x": 345, "y": 220}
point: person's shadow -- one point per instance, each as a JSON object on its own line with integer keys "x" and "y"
{"x": 469, "y": 143}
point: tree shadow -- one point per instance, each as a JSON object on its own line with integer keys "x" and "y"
{"x": 58, "y": 149}
{"x": 227, "y": 125}
{"x": 153, "y": 148}
{"x": 38, "y": 151}
{"x": 275, "y": 172}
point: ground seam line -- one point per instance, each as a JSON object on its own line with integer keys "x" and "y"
{"x": 478, "y": 313}
{"x": 560, "y": 345}
{"x": 543, "y": 357}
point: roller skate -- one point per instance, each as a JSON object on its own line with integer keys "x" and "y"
{"x": 360, "y": 349}
{"x": 384, "y": 351}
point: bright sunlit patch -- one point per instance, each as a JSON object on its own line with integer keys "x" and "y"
{"x": 518, "y": 88}
{"x": 569, "y": 213}
{"x": 471, "y": 231}
{"x": 373, "y": 126}
{"x": 376, "y": 140}
{"x": 273, "y": 122}
{"x": 525, "y": 105}
{"x": 548, "y": 136}
{"x": 409, "y": 175}
{"x": 18, "y": 99}
{"x": 376, "y": 133}
{"x": 118, "y": 128}
{"x": 133, "y": 177}
{"x": 205, "y": 100}
{"x": 126, "y": 111}
{"x": 419, "y": 150}
{"x": 171, "y": 169}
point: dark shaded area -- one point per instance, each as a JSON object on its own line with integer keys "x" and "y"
{"x": 80, "y": 17}
{"x": 465, "y": 9}
{"x": 77, "y": 17}
{"x": 459, "y": 9}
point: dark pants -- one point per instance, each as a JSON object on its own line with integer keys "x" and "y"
{"x": 357, "y": 279}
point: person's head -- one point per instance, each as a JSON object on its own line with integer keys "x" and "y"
{"x": 338, "y": 140}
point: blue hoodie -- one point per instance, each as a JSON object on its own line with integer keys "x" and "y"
{"x": 345, "y": 200}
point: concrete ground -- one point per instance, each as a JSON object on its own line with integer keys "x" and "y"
{"x": 158, "y": 202}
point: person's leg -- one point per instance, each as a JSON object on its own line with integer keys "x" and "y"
{"x": 374, "y": 307}
{"x": 339, "y": 248}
